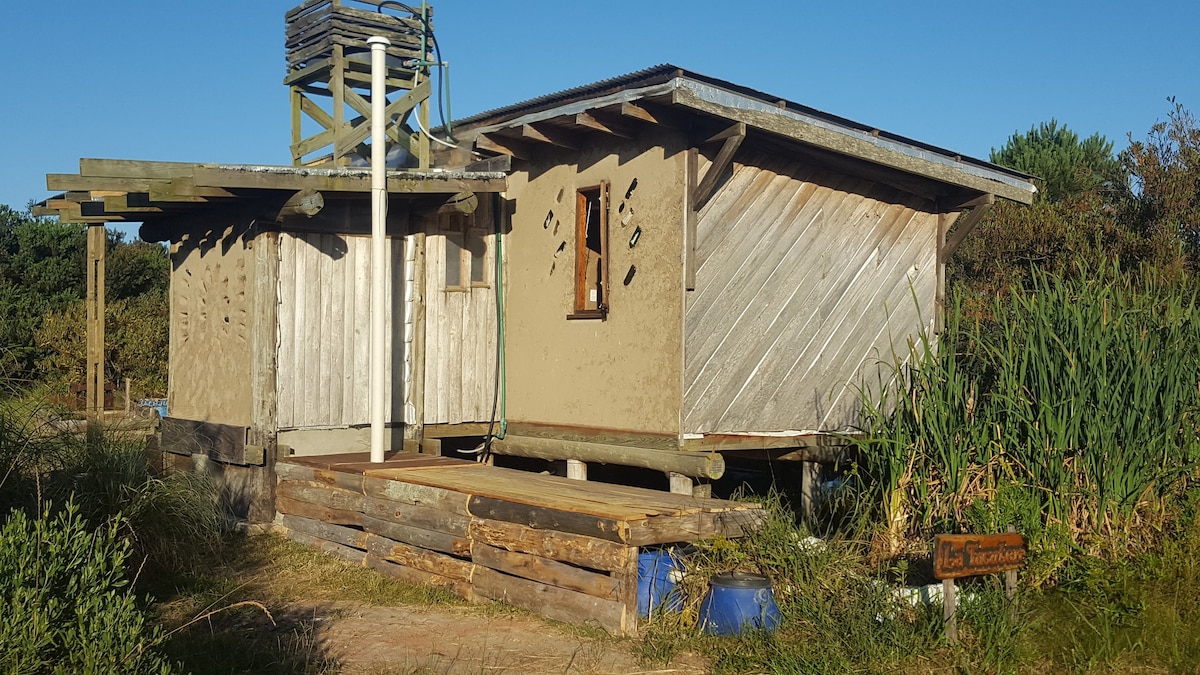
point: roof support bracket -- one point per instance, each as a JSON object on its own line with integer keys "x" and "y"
{"x": 964, "y": 228}
{"x": 733, "y": 137}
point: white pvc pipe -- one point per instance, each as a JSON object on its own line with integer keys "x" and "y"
{"x": 379, "y": 273}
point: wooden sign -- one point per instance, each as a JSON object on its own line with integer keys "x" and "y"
{"x": 968, "y": 555}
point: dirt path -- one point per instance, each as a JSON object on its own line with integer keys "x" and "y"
{"x": 387, "y": 640}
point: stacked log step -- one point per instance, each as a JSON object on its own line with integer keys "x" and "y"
{"x": 561, "y": 548}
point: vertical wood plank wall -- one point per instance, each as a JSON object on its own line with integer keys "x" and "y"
{"x": 460, "y": 329}
{"x": 806, "y": 279}
{"x": 324, "y": 330}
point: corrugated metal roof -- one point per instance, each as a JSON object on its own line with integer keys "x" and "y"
{"x": 666, "y": 72}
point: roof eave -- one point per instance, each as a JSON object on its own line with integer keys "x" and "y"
{"x": 790, "y": 121}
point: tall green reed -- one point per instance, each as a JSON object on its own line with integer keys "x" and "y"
{"x": 1075, "y": 407}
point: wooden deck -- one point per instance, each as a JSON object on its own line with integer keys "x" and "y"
{"x": 563, "y": 548}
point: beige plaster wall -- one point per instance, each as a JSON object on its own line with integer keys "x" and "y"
{"x": 212, "y": 281}
{"x": 623, "y": 372}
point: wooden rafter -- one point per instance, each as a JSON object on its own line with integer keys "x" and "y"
{"x": 501, "y": 146}
{"x": 544, "y": 133}
{"x": 595, "y": 122}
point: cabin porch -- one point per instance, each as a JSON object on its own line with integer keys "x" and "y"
{"x": 563, "y": 548}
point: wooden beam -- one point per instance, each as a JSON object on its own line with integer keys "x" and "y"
{"x": 701, "y": 465}
{"x": 591, "y": 121}
{"x": 501, "y": 146}
{"x": 135, "y": 168}
{"x": 404, "y": 183}
{"x": 401, "y": 106}
{"x": 732, "y": 131}
{"x": 733, "y": 137}
{"x": 74, "y": 181}
{"x": 501, "y": 163}
{"x": 185, "y": 190}
{"x": 948, "y": 205}
{"x": 637, "y": 112}
{"x": 854, "y": 146}
{"x": 318, "y": 115}
{"x": 544, "y": 133}
{"x": 964, "y": 228}
{"x": 305, "y": 204}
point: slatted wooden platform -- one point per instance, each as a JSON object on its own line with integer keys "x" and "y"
{"x": 566, "y": 549}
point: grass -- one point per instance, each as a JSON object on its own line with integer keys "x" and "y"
{"x": 841, "y": 614}
{"x": 287, "y": 579}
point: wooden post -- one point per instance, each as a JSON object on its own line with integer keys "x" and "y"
{"x": 128, "y": 405}
{"x": 415, "y": 430}
{"x": 810, "y": 477}
{"x": 680, "y": 484}
{"x": 431, "y": 446}
{"x": 96, "y": 241}
{"x": 1010, "y": 585}
{"x": 337, "y": 85}
{"x": 264, "y": 355}
{"x": 576, "y": 470}
{"x": 948, "y": 611}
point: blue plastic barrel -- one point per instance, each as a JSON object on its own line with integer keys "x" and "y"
{"x": 736, "y": 602}
{"x": 657, "y": 570}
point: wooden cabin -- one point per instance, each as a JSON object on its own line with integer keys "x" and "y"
{"x": 683, "y": 267}
{"x": 694, "y": 266}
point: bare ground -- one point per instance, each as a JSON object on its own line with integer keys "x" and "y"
{"x": 439, "y": 639}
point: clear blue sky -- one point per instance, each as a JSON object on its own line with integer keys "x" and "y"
{"x": 201, "y": 80}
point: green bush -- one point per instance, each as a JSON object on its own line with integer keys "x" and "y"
{"x": 68, "y": 604}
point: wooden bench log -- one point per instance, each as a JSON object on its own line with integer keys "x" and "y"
{"x": 543, "y": 570}
{"x": 576, "y": 549}
{"x": 553, "y": 602}
{"x": 419, "y": 558}
{"x": 409, "y": 575}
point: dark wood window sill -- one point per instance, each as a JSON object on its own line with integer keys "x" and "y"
{"x": 588, "y": 314}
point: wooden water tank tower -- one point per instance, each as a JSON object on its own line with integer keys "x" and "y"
{"x": 329, "y": 74}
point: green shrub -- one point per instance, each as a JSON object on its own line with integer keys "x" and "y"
{"x": 68, "y": 605}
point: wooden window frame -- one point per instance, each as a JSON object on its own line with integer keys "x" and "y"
{"x": 462, "y": 232}
{"x": 583, "y": 306}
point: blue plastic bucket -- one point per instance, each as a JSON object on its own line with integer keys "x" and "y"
{"x": 736, "y": 602}
{"x": 657, "y": 572}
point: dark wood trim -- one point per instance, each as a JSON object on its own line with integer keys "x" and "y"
{"x": 222, "y": 442}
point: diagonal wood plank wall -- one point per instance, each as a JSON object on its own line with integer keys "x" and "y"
{"x": 324, "y": 330}
{"x": 806, "y": 279}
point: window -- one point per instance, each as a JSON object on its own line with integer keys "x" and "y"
{"x": 466, "y": 257}
{"x": 591, "y": 253}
